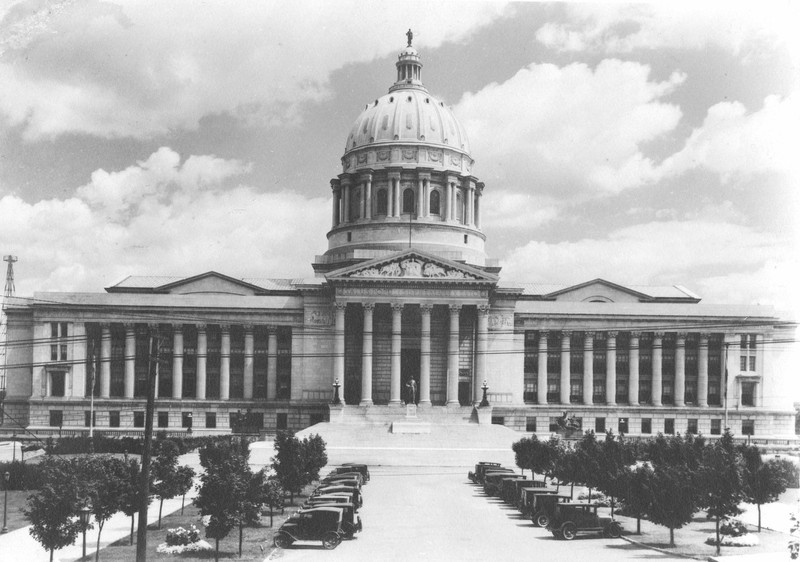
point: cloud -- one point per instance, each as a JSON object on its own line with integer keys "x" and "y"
{"x": 162, "y": 217}
{"x": 737, "y": 27}
{"x": 700, "y": 253}
{"x": 570, "y": 129}
{"x": 135, "y": 69}
{"x": 517, "y": 211}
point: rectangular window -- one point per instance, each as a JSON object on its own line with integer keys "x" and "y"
{"x": 553, "y": 424}
{"x": 211, "y": 420}
{"x": 53, "y": 353}
{"x": 691, "y": 426}
{"x": 284, "y": 363}
{"x": 138, "y": 419}
{"x": 57, "y": 383}
{"x": 64, "y": 329}
{"x": 623, "y": 425}
{"x": 531, "y": 366}
{"x": 313, "y": 419}
{"x": 63, "y": 349}
{"x": 747, "y": 353}
{"x": 752, "y": 363}
{"x": 186, "y": 420}
{"x": 748, "y": 393}
{"x": 748, "y": 427}
{"x": 669, "y": 426}
{"x": 53, "y": 329}
{"x": 498, "y": 420}
{"x": 716, "y": 427}
{"x": 599, "y": 391}
{"x": 163, "y": 419}
{"x": 647, "y": 425}
{"x": 530, "y": 424}
{"x": 282, "y": 421}
{"x": 56, "y": 418}
{"x": 87, "y": 418}
{"x": 600, "y": 425}
{"x": 113, "y": 418}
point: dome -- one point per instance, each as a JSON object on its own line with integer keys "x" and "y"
{"x": 407, "y": 115}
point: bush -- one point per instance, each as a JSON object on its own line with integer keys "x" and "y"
{"x": 597, "y": 498}
{"x": 732, "y": 528}
{"x": 182, "y": 537}
{"x": 23, "y": 476}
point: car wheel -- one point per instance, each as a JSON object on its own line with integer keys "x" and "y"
{"x": 541, "y": 519}
{"x": 614, "y": 530}
{"x": 282, "y": 540}
{"x": 331, "y": 540}
{"x": 556, "y": 534}
{"x": 569, "y": 530}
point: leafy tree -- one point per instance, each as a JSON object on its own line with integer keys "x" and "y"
{"x": 669, "y": 496}
{"x": 271, "y": 494}
{"x": 314, "y": 457}
{"x": 721, "y": 483}
{"x": 764, "y": 482}
{"x": 523, "y": 451}
{"x": 107, "y": 481}
{"x": 545, "y": 456}
{"x": 168, "y": 479}
{"x": 52, "y": 510}
{"x": 635, "y": 487}
{"x": 615, "y": 459}
{"x": 184, "y": 480}
{"x": 130, "y": 499}
{"x": 288, "y": 463}
{"x": 586, "y": 469}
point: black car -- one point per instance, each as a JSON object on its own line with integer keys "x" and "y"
{"x": 494, "y": 481}
{"x": 543, "y": 506}
{"x": 356, "y": 467}
{"x": 509, "y": 486}
{"x": 477, "y": 474}
{"x": 572, "y": 518}
{"x": 314, "y": 524}
{"x": 354, "y": 492}
{"x": 328, "y": 498}
{"x": 351, "y": 521}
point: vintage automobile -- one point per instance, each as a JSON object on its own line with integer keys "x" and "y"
{"x": 494, "y": 482}
{"x": 526, "y": 493}
{"x": 571, "y": 518}
{"x": 351, "y": 522}
{"x": 508, "y": 488}
{"x": 513, "y": 496}
{"x": 356, "y": 467}
{"x": 351, "y": 479}
{"x": 477, "y": 474}
{"x": 354, "y": 493}
{"x": 494, "y": 471}
{"x": 314, "y": 524}
{"x": 542, "y": 506}
{"x": 329, "y": 498}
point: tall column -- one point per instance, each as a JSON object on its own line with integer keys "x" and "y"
{"x": 658, "y": 342}
{"x": 483, "y": 349}
{"x": 478, "y": 199}
{"x": 154, "y": 331}
{"x": 105, "y": 361}
{"x": 633, "y": 369}
{"x": 366, "y": 355}
{"x": 471, "y": 205}
{"x": 346, "y": 205}
{"x": 420, "y": 198}
{"x": 394, "y": 384}
{"x": 565, "y": 366}
{"x": 588, "y": 367}
{"x": 611, "y": 368}
{"x": 451, "y": 198}
{"x": 680, "y": 368}
{"x": 202, "y": 353}
{"x": 272, "y": 363}
{"x": 453, "y": 356}
{"x": 130, "y": 359}
{"x": 247, "y": 377}
{"x": 395, "y": 181}
{"x": 368, "y": 198}
{"x": 541, "y": 377}
{"x": 225, "y": 362}
{"x": 731, "y": 349}
{"x": 702, "y": 371}
{"x": 425, "y": 355}
{"x": 338, "y": 346}
{"x": 334, "y": 203}
{"x": 177, "y": 361}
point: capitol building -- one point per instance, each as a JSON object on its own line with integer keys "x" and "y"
{"x": 404, "y": 292}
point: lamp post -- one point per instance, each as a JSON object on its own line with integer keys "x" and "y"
{"x": 336, "y": 386}
{"x": 6, "y": 478}
{"x": 86, "y": 512}
{"x": 484, "y": 400}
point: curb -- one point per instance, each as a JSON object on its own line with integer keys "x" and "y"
{"x": 664, "y": 550}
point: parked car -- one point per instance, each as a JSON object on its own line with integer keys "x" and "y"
{"x": 508, "y": 488}
{"x": 350, "y": 478}
{"x": 543, "y": 505}
{"x": 315, "y": 524}
{"x": 476, "y": 475}
{"x": 571, "y": 518}
{"x": 354, "y": 493}
{"x": 494, "y": 481}
{"x": 526, "y": 495}
{"x": 356, "y": 467}
{"x": 494, "y": 471}
{"x": 329, "y": 498}
{"x": 351, "y": 522}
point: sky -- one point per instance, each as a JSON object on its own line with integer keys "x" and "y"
{"x": 646, "y": 144}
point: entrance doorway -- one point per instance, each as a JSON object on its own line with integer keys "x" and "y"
{"x": 409, "y": 369}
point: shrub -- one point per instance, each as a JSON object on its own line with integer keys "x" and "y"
{"x": 182, "y": 537}
{"x": 23, "y": 476}
{"x": 732, "y": 528}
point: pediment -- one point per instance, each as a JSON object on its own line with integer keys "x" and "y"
{"x": 209, "y": 283}
{"x": 598, "y": 290}
{"x": 412, "y": 265}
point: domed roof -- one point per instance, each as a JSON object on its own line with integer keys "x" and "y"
{"x": 407, "y": 115}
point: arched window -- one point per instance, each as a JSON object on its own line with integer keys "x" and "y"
{"x": 408, "y": 201}
{"x": 435, "y": 202}
{"x": 459, "y": 207}
{"x": 383, "y": 202}
{"x": 355, "y": 204}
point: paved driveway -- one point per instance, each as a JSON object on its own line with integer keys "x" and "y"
{"x": 428, "y": 513}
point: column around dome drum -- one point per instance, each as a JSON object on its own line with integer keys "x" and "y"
{"x": 346, "y": 200}
{"x": 368, "y": 197}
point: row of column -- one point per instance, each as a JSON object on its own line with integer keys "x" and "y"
{"x": 343, "y": 192}
{"x": 368, "y": 309}
{"x": 201, "y": 354}
{"x": 633, "y": 375}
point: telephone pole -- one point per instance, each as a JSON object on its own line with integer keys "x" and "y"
{"x": 8, "y": 293}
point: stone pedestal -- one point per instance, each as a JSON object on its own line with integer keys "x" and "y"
{"x": 336, "y": 413}
{"x": 484, "y": 415}
{"x": 411, "y": 411}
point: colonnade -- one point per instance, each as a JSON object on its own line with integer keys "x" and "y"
{"x": 368, "y": 309}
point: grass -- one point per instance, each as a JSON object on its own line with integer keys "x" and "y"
{"x": 17, "y": 501}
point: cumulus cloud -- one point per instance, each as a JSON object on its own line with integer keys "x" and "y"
{"x": 133, "y": 69}
{"x": 670, "y": 252}
{"x": 570, "y": 129}
{"x": 738, "y": 27}
{"x": 162, "y": 216}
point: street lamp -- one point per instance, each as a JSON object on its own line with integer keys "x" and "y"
{"x": 484, "y": 401}
{"x": 336, "y": 386}
{"x": 6, "y": 478}
{"x": 86, "y": 512}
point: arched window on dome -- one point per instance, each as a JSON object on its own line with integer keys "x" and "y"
{"x": 382, "y": 203}
{"x": 459, "y": 206}
{"x": 355, "y": 204}
{"x": 435, "y": 203}
{"x": 408, "y": 201}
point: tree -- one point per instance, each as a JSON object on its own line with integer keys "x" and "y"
{"x": 107, "y": 481}
{"x": 169, "y": 479}
{"x": 184, "y": 480}
{"x": 720, "y": 480}
{"x": 52, "y": 510}
{"x": 614, "y": 462}
{"x": 764, "y": 482}
{"x": 314, "y": 457}
{"x": 288, "y": 463}
{"x": 635, "y": 487}
{"x": 523, "y": 453}
{"x": 271, "y": 494}
{"x": 132, "y": 493}
{"x": 669, "y": 497}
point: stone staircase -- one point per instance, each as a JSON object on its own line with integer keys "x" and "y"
{"x": 385, "y": 415}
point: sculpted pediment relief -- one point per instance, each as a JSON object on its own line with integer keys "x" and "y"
{"x": 412, "y": 267}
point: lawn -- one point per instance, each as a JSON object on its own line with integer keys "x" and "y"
{"x": 17, "y": 501}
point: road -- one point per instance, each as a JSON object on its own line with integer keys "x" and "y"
{"x": 428, "y": 513}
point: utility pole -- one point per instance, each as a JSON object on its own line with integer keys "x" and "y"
{"x": 144, "y": 482}
{"x": 92, "y": 351}
{"x": 725, "y": 385}
{"x": 8, "y": 293}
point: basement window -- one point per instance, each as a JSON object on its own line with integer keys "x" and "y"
{"x": 465, "y": 238}
{"x": 349, "y": 236}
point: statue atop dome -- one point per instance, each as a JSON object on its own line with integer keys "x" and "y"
{"x": 410, "y": 35}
